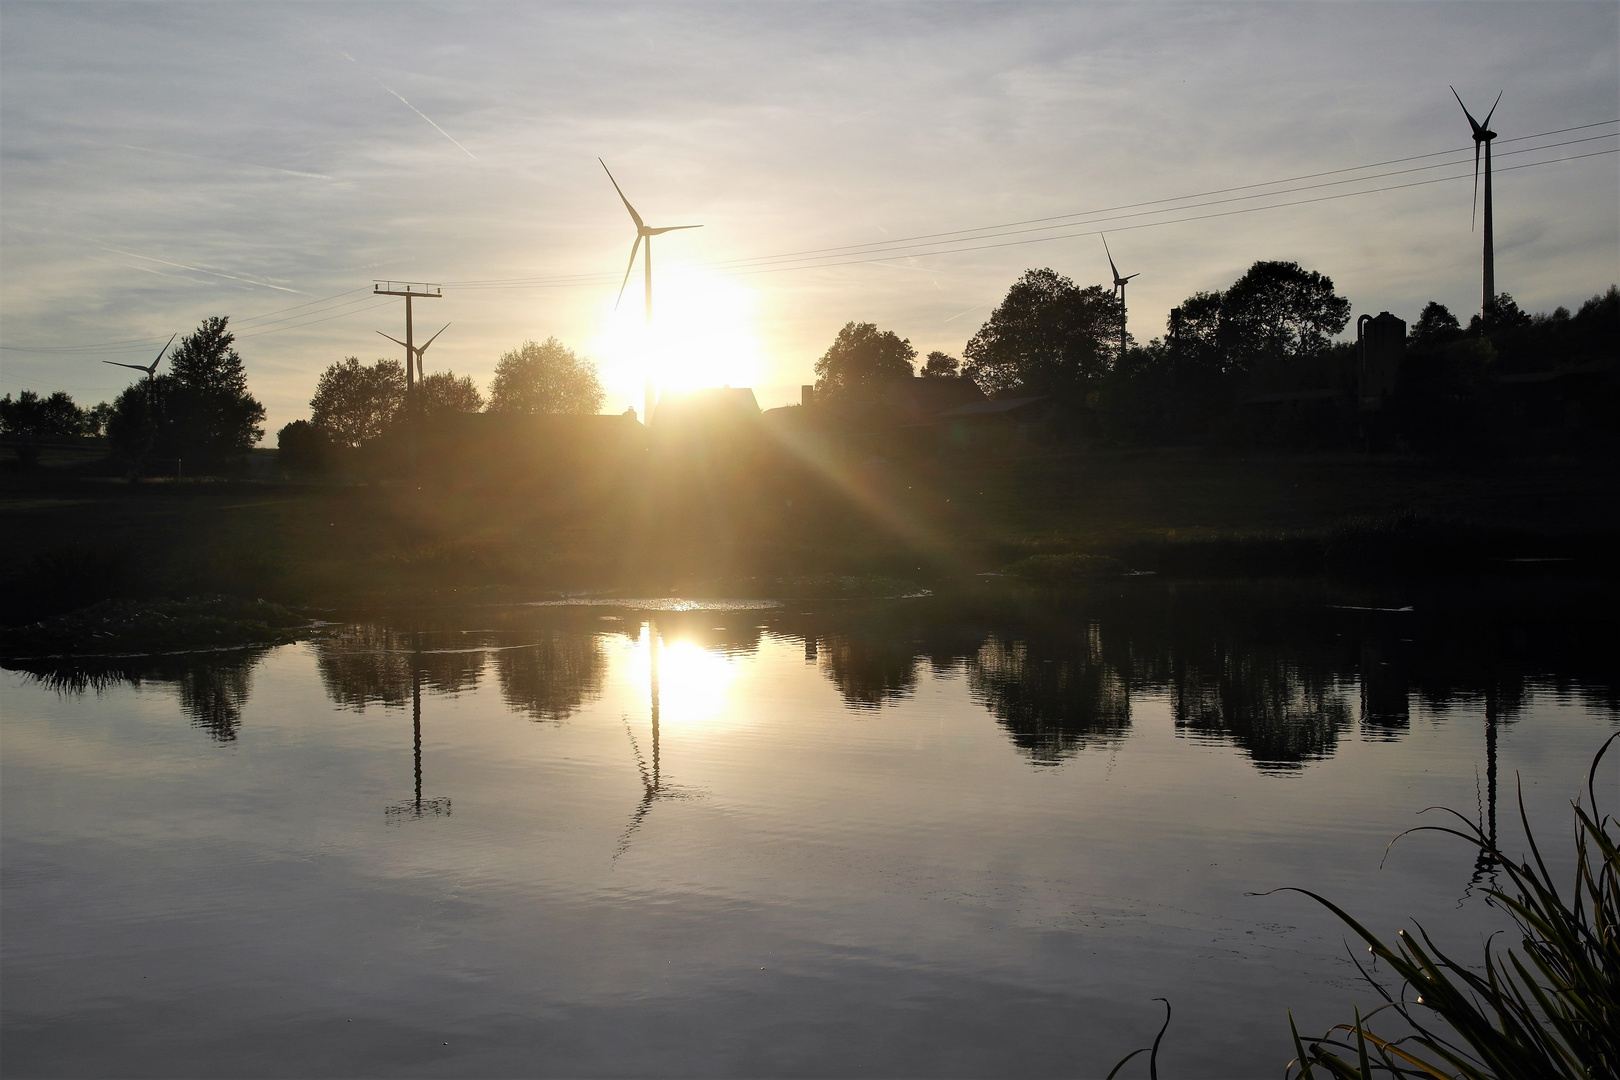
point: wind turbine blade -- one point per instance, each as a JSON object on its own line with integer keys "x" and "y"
{"x": 395, "y": 340}
{"x": 161, "y": 352}
{"x": 1486, "y": 123}
{"x": 422, "y": 348}
{"x": 633, "y": 215}
{"x": 137, "y": 367}
{"x": 1475, "y": 214}
{"x": 1110, "y": 255}
{"x": 1135, "y": 275}
{"x": 631, "y": 266}
{"x": 669, "y": 228}
{"x": 1471, "y": 121}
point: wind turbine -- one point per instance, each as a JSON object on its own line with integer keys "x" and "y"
{"x": 643, "y": 232}
{"x": 1119, "y": 290}
{"x": 151, "y": 380}
{"x": 151, "y": 370}
{"x": 1482, "y": 137}
{"x": 416, "y": 351}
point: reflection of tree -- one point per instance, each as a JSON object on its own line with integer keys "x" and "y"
{"x": 365, "y": 664}
{"x": 553, "y": 677}
{"x": 213, "y": 696}
{"x": 1281, "y": 714}
{"x": 869, "y": 671}
{"x": 1052, "y": 706}
{"x": 213, "y": 688}
{"x": 368, "y": 664}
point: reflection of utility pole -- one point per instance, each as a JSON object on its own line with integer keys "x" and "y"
{"x": 418, "y": 807}
{"x": 410, "y": 290}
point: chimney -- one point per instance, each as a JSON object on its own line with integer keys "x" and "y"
{"x": 807, "y": 395}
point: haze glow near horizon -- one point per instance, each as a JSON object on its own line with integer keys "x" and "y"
{"x": 161, "y": 163}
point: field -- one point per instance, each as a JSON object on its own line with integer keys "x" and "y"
{"x": 729, "y": 527}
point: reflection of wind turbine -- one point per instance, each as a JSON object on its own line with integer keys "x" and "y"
{"x": 416, "y": 351}
{"x": 151, "y": 370}
{"x": 418, "y": 807}
{"x": 643, "y": 232}
{"x": 1119, "y": 291}
{"x": 1482, "y": 137}
{"x": 652, "y": 782}
{"x": 1485, "y": 864}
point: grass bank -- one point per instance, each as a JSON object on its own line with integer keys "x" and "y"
{"x": 67, "y": 542}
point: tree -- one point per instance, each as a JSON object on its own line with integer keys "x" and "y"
{"x": 1435, "y": 326}
{"x": 199, "y": 410}
{"x": 1502, "y": 313}
{"x": 940, "y": 365}
{"x": 302, "y": 449}
{"x": 31, "y": 414}
{"x": 354, "y": 402}
{"x": 1278, "y": 311}
{"x": 1195, "y": 335}
{"x": 1047, "y": 337}
{"x": 208, "y": 414}
{"x": 445, "y": 392}
{"x": 861, "y": 363}
{"x": 545, "y": 378}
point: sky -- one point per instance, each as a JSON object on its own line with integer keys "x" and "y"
{"x": 161, "y": 163}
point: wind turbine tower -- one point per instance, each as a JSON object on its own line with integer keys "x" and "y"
{"x": 1482, "y": 137}
{"x": 1119, "y": 291}
{"x": 643, "y": 232}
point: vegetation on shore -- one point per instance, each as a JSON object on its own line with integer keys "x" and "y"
{"x": 1549, "y": 1009}
{"x": 113, "y": 627}
{"x": 69, "y": 543}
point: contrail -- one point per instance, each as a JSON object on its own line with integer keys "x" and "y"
{"x": 397, "y": 94}
{"x": 200, "y": 270}
{"x": 224, "y": 161}
{"x": 975, "y": 307}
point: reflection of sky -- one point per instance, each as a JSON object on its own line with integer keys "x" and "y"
{"x": 902, "y": 877}
{"x": 164, "y": 162}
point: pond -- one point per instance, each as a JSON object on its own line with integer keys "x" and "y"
{"x": 933, "y": 836}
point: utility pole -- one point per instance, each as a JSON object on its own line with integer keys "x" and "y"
{"x": 410, "y": 290}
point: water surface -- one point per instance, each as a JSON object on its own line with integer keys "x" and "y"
{"x": 904, "y": 838}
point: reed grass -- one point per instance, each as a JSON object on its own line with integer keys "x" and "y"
{"x": 1550, "y": 1008}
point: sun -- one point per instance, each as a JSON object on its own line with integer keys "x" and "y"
{"x": 702, "y": 334}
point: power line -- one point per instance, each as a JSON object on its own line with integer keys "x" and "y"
{"x": 1176, "y": 221}
{"x": 866, "y": 253}
{"x": 891, "y": 247}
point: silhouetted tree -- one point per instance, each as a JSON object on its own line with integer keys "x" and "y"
{"x": 446, "y": 392}
{"x": 302, "y": 449}
{"x": 545, "y": 377}
{"x": 1278, "y": 311}
{"x": 1047, "y": 337}
{"x": 1195, "y": 335}
{"x": 1435, "y": 326}
{"x": 31, "y": 414}
{"x": 1502, "y": 313}
{"x": 354, "y": 402}
{"x": 199, "y": 410}
{"x": 940, "y": 365}
{"x": 861, "y": 363}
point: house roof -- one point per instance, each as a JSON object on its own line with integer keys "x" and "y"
{"x": 988, "y": 408}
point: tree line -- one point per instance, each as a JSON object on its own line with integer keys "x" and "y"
{"x": 199, "y": 410}
{"x": 360, "y": 410}
{"x": 1271, "y": 332}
